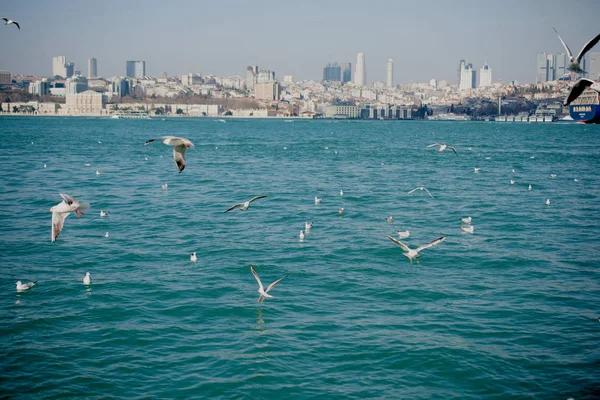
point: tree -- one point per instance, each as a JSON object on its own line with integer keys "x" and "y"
{"x": 228, "y": 113}
{"x": 179, "y": 111}
{"x": 15, "y": 109}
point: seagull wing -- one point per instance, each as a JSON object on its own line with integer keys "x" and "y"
{"x": 417, "y": 188}
{"x": 272, "y": 285}
{"x": 453, "y": 149}
{"x": 431, "y": 145}
{"x": 256, "y": 197}
{"x": 234, "y": 206}
{"x": 425, "y": 189}
{"x": 564, "y": 44}
{"x": 179, "y": 156}
{"x": 68, "y": 199}
{"x": 17, "y": 24}
{"x": 160, "y": 137}
{"x": 260, "y": 285}
{"x": 399, "y": 243}
{"x": 58, "y": 221}
{"x": 431, "y": 244}
{"x": 577, "y": 89}
{"x": 588, "y": 46}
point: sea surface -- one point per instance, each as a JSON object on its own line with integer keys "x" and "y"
{"x": 507, "y": 312}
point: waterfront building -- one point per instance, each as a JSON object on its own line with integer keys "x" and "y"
{"x": 360, "y": 74}
{"x": 5, "y": 78}
{"x": 594, "y": 71}
{"x": 467, "y": 76}
{"x": 341, "y": 112}
{"x": 39, "y": 88}
{"x": 332, "y": 73}
{"x": 92, "y": 68}
{"x": 58, "y": 66}
{"x": 389, "y": 81}
{"x": 346, "y": 72}
{"x": 485, "y": 75}
{"x": 88, "y": 102}
{"x": 266, "y": 90}
{"x": 135, "y": 69}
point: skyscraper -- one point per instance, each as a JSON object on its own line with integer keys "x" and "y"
{"x": 346, "y": 72}
{"x": 251, "y": 75}
{"x": 360, "y": 74}
{"x": 92, "y": 68}
{"x": 69, "y": 69}
{"x": 136, "y": 69}
{"x": 461, "y": 65}
{"x": 594, "y": 71}
{"x": 551, "y": 67}
{"x": 467, "y": 76}
{"x": 58, "y": 66}
{"x": 332, "y": 72}
{"x": 485, "y": 75}
{"x": 389, "y": 81}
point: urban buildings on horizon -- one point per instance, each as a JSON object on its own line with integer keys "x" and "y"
{"x": 334, "y": 72}
{"x": 92, "y": 68}
{"x": 360, "y": 73}
{"x": 389, "y": 76}
{"x": 135, "y": 69}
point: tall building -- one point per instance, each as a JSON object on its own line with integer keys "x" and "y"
{"x": 594, "y": 70}
{"x": 135, "y": 69}
{"x": 332, "y": 72}
{"x": 461, "y": 65}
{"x": 550, "y": 67}
{"x": 5, "y": 78}
{"x": 360, "y": 74}
{"x": 69, "y": 69}
{"x": 485, "y": 75}
{"x": 266, "y": 90}
{"x": 92, "y": 68}
{"x": 346, "y": 72}
{"x": 58, "y": 66}
{"x": 389, "y": 80}
{"x": 467, "y": 76}
{"x": 39, "y": 88}
{"x": 251, "y": 75}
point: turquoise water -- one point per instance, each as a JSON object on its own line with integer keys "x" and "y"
{"x": 510, "y": 311}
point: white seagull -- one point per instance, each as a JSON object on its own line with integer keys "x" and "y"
{"x": 547, "y": 202}
{"x": 24, "y": 286}
{"x": 318, "y": 200}
{"x": 244, "y": 206}
{"x": 341, "y": 192}
{"x": 466, "y": 221}
{"x": 104, "y": 213}
{"x": 179, "y": 145}
{"x": 477, "y": 170}
{"x": 106, "y": 235}
{"x": 414, "y": 254}
{"x": 262, "y": 291}
{"x": 301, "y": 235}
{"x": 403, "y": 235}
{"x": 193, "y": 257}
{"x": 467, "y": 228}
{"x": 579, "y": 87}
{"x": 165, "y": 186}
{"x": 308, "y": 226}
{"x": 529, "y": 188}
{"x": 10, "y": 21}
{"x": 87, "y": 279}
{"x": 422, "y": 188}
{"x": 443, "y": 147}
{"x": 574, "y": 61}
{"x": 389, "y": 220}
{"x": 341, "y": 210}
{"x": 61, "y": 211}
{"x": 98, "y": 172}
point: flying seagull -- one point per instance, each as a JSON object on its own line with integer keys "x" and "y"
{"x": 262, "y": 291}
{"x": 244, "y": 206}
{"x": 422, "y": 188}
{"x": 10, "y": 21}
{"x": 579, "y": 87}
{"x": 414, "y": 254}
{"x": 179, "y": 145}
{"x": 61, "y": 211}
{"x": 443, "y": 147}
{"x": 574, "y": 61}
{"x": 24, "y": 286}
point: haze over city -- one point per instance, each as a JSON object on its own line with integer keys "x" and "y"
{"x": 425, "y": 39}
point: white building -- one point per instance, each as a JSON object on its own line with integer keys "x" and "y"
{"x": 58, "y": 66}
{"x": 467, "y": 77}
{"x": 92, "y": 68}
{"x": 88, "y": 102}
{"x": 485, "y": 76}
{"x": 389, "y": 81}
{"x": 191, "y": 79}
{"x": 288, "y": 79}
{"x": 39, "y": 88}
{"x": 360, "y": 73}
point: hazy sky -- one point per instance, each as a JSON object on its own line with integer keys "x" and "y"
{"x": 425, "y": 38}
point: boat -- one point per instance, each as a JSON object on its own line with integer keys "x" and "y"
{"x": 130, "y": 115}
{"x": 586, "y": 108}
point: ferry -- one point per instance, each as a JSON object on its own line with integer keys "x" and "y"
{"x": 130, "y": 115}
{"x": 586, "y": 108}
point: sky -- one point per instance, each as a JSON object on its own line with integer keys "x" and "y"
{"x": 425, "y": 38}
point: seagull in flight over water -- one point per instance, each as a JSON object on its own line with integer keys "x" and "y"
{"x": 261, "y": 290}
{"x": 61, "y": 211}
{"x": 414, "y": 254}
{"x": 579, "y": 87}
{"x": 422, "y": 188}
{"x": 244, "y": 206}
{"x": 179, "y": 145}
{"x": 10, "y": 21}
{"x": 574, "y": 61}
{"x": 443, "y": 147}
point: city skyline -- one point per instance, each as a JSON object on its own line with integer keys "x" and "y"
{"x": 182, "y": 43}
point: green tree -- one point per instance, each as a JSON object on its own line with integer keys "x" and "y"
{"x": 15, "y": 109}
{"x": 179, "y": 111}
{"x": 228, "y": 113}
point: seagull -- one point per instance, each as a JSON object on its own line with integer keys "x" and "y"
{"x": 308, "y": 226}
{"x": 24, "y": 286}
{"x": 552, "y": 176}
{"x": 318, "y": 200}
{"x": 579, "y": 87}
{"x": 403, "y": 235}
{"x": 165, "y": 186}
{"x": 574, "y": 61}
{"x": 301, "y": 235}
{"x": 87, "y": 164}
{"x": 104, "y": 213}
{"x": 477, "y": 170}
{"x": 389, "y": 220}
{"x": 264, "y": 293}
{"x": 512, "y": 181}
{"x": 529, "y": 188}
{"x": 422, "y": 188}
{"x": 106, "y": 235}
{"x": 193, "y": 257}
{"x": 179, "y": 145}
{"x": 341, "y": 210}
{"x": 61, "y": 211}
{"x": 341, "y": 192}
{"x": 547, "y": 202}
{"x": 466, "y": 221}
{"x": 443, "y": 147}
{"x": 467, "y": 228}
{"x": 44, "y": 165}
{"x": 244, "y": 206}
{"x": 98, "y": 172}
{"x": 87, "y": 279}
{"x": 414, "y": 254}
{"x": 10, "y": 21}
